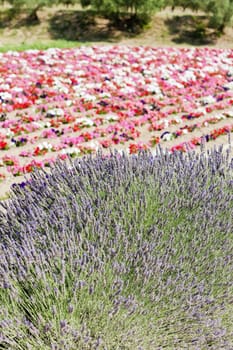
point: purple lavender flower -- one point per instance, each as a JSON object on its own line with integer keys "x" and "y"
{"x": 130, "y": 251}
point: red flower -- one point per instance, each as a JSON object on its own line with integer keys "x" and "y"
{"x": 3, "y": 145}
{"x": 133, "y": 148}
{"x": 76, "y": 128}
{"x": 209, "y": 109}
{"x": 179, "y": 147}
{"x": 55, "y": 123}
{"x": 154, "y": 140}
{"x": 28, "y": 168}
{"x": 196, "y": 141}
{"x": 40, "y": 152}
{"x": 87, "y": 136}
{"x": 67, "y": 119}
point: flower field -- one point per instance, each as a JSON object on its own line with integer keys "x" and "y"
{"x": 129, "y": 249}
{"x": 70, "y": 102}
{"x": 120, "y": 252}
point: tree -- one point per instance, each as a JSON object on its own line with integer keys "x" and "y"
{"x": 131, "y": 6}
{"x": 194, "y": 5}
{"x": 33, "y": 6}
{"x": 222, "y": 13}
{"x": 85, "y": 3}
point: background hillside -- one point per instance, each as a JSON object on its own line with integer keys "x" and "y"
{"x": 65, "y": 26}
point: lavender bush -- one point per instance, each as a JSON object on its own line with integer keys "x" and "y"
{"x": 120, "y": 252}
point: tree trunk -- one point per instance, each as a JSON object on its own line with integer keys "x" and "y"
{"x": 33, "y": 16}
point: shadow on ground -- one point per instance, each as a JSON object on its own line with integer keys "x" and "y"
{"x": 16, "y": 18}
{"x": 76, "y": 25}
{"x": 81, "y": 26}
{"x": 6, "y": 17}
{"x": 190, "y": 29}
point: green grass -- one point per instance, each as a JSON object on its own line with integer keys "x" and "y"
{"x": 61, "y": 44}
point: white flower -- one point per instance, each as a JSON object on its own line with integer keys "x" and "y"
{"x": 178, "y": 120}
{"x": 208, "y": 100}
{"x": 229, "y": 113}
{"x": 6, "y": 87}
{"x": 55, "y": 112}
{"x": 70, "y": 150}
{"x": 105, "y": 94}
{"x": 46, "y": 124}
{"x": 31, "y": 51}
{"x": 188, "y": 75}
{"x": 13, "y": 53}
{"x": 168, "y": 137}
{"x": 111, "y": 117}
{"x": 39, "y": 125}
{"x": 165, "y": 121}
{"x": 229, "y": 85}
{"x": 147, "y": 72}
{"x": 175, "y": 83}
{"x": 69, "y": 103}
{"x": 127, "y": 90}
{"x": 5, "y": 96}
{"x": 80, "y": 72}
{"x": 221, "y": 116}
{"x": 153, "y": 88}
{"x": 210, "y": 69}
{"x": 19, "y": 100}
{"x": 201, "y": 110}
{"x": 16, "y": 89}
{"x": 85, "y": 121}
{"x": 93, "y": 145}
{"x": 68, "y": 70}
{"x": 7, "y": 132}
{"x": 61, "y": 88}
{"x": 12, "y": 144}
{"x": 45, "y": 145}
{"x": 90, "y": 98}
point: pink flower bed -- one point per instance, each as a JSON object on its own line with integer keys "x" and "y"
{"x": 59, "y": 103}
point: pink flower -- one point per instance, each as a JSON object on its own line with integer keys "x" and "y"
{"x": 135, "y": 91}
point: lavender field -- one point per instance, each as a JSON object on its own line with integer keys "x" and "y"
{"x": 116, "y": 175}
{"x": 120, "y": 252}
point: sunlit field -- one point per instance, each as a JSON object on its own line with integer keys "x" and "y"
{"x": 70, "y": 102}
{"x": 117, "y": 233}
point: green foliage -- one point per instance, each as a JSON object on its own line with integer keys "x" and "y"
{"x": 222, "y": 13}
{"x": 131, "y": 14}
{"x": 194, "y": 5}
{"x": 42, "y": 45}
{"x": 127, "y": 15}
{"x": 31, "y": 3}
{"x": 132, "y": 6}
{"x": 33, "y": 6}
{"x": 85, "y": 3}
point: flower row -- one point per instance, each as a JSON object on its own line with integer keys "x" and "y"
{"x": 74, "y": 101}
